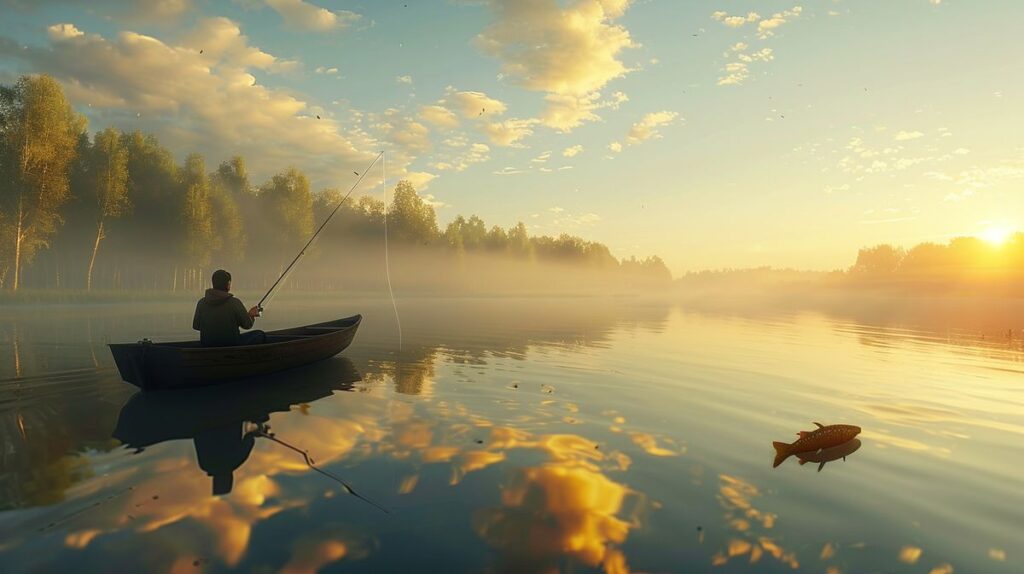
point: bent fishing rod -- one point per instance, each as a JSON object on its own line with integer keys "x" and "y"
{"x": 259, "y": 306}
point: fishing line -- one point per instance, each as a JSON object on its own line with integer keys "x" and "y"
{"x": 387, "y": 261}
{"x": 317, "y": 232}
{"x": 263, "y": 432}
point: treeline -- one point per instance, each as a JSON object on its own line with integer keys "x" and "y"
{"x": 962, "y": 266}
{"x": 115, "y": 210}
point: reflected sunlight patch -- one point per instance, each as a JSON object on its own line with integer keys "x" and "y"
{"x": 909, "y": 554}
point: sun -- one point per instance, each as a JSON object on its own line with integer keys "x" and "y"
{"x": 996, "y": 235}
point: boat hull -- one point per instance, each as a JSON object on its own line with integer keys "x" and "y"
{"x": 158, "y": 366}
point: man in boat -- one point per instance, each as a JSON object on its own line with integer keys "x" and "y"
{"x": 219, "y": 314}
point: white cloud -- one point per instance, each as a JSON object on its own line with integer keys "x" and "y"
{"x": 439, "y": 116}
{"x": 567, "y": 50}
{"x": 210, "y": 102}
{"x": 326, "y": 71}
{"x": 473, "y": 154}
{"x": 615, "y": 147}
{"x": 647, "y": 127}
{"x": 509, "y": 132}
{"x": 507, "y": 171}
{"x": 403, "y": 79}
{"x": 767, "y": 27}
{"x": 735, "y": 21}
{"x": 905, "y": 136}
{"x": 566, "y": 112}
{"x": 221, "y": 42}
{"x": 472, "y": 104}
{"x": 572, "y": 151}
{"x": 542, "y": 158}
{"x": 305, "y": 16}
{"x": 737, "y": 72}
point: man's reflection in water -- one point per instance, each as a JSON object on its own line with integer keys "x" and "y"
{"x": 223, "y": 449}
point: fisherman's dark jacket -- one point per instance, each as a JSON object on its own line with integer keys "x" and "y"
{"x": 219, "y": 314}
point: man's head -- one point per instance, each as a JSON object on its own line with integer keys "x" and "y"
{"x": 221, "y": 280}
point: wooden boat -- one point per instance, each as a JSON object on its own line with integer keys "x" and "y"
{"x": 151, "y": 418}
{"x": 158, "y": 366}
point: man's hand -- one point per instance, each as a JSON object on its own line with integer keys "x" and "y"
{"x": 254, "y": 312}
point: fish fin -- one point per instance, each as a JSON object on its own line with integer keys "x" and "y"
{"x": 844, "y": 459}
{"x": 782, "y": 452}
{"x": 802, "y": 434}
{"x": 821, "y": 466}
{"x": 819, "y": 425}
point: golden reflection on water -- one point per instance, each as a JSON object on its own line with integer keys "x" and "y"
{"x": 557, "y": 510}
{"x": 737, "y": 498}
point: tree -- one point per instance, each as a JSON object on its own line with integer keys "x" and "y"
{"x": 519, "y": 241}
{"x": 109, "y": 167}
{"x": 196, "y": 213}
{"x": 879, "y": 261}
{"x": 288, "y": 204}
{"x": 39, "y": 134}
{"x": 231, "y": 200}
{"x": 414, "y": 219}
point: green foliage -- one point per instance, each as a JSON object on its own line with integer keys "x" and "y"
{"x": 39, "y": 137}
{"x": 109, "y": 166}
{"x": 288, "y": 205}
{"x": 411, "y": 218}
{"x": 197, "y": 211}
{"x": 161, "y": 216}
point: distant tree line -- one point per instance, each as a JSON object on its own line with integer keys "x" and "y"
{"x": 962, "y": 263}
{"x": 68, "y": 199}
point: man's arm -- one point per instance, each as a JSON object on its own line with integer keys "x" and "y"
{"x": 245, "y": 319}
{"x": 195, "y": 318}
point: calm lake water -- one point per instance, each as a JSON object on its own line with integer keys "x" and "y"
{"x": 513, "y": 435}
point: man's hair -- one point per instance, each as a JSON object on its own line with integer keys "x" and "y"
{"x": 221, "y": 278}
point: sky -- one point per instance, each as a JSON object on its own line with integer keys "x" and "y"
{"x": 713, "y": 134}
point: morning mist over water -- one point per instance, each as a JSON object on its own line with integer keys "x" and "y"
{"x": 510, "y": 286}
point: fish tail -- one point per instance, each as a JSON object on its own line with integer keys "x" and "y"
{"x": 782, "y": 452}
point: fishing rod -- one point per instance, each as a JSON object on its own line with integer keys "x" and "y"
{"x": 264, "y": 431}
{"x": 302, "y": 252}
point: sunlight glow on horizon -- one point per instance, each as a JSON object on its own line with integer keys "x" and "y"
{"x": 997, "y": 235}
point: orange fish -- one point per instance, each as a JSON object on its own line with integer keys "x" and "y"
{"x": 829, "y": 454}
{"x": 811, "y": 441}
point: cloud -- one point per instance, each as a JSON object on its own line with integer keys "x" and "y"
{"x": 472, "y": 104}
{"x": 326, "y": 71}
{"x": 507, "y": 171}
{"x": 439, "y": 116}
{"x": 572, "y": 151}
{"x": 646, "y": 128}
{"x": 509, "y": 132}
{"x": 542, "y": 158}
{"x": 136, "y": 11}
{"x": 905, "y": 136}
{"x": 221, "y": 42}
{"x": 567, "y": 50}
{"x": 403, "y": 79}
{"x": 305, "y": 16}
{"x": 735, "y": 21}
{"x": 210, "y": 102}
{"x": 737, "y": 72}
{"x": 766, "y": 28}
{"x": 473, "y": 154}
{"x": 566, "y": 112}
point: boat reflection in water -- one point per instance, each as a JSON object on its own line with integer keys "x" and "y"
{"x": 829, "y": 454}
{"x": 224, "y": 421}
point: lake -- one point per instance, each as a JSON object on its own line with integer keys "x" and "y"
{"x": 516, "y": 435}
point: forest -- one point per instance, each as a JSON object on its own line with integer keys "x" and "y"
{"x": 116, "y": 211}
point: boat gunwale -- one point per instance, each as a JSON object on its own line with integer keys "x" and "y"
{"x": 301, "y": 338}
